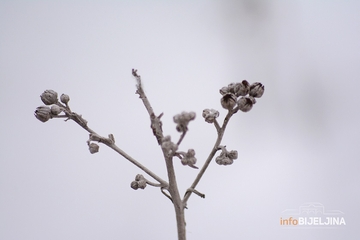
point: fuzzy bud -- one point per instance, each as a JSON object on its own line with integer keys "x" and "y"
{"x": 134, "y": 185}
{"x": 64, "y": 98}
{"x": 228, "y": 101}
{"x": 93, "y": 148}
{"x": 241, "y": 89}
{"x": 257, "y": 90}
{"x": 167, "y": 145}
{"x": 210, "y": 115}
{"x": 43, "y": 113}
{"x": 189, "y": 158}
{"x": 245, "y": 104}
{"x": 55, "y": 110}
{"x": 182, "y": 120}
{"x": 226, "y": 157}
{"x": 49, "y": 97}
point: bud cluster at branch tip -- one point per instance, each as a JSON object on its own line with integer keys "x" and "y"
{"x": 50, "y": 97}
{"x": 210, "y": 115}
{"x": 226, "y": 157}
{"x": 140, "y": 182}
{"x": 241, "y": 94}
{"x": 188, "y": 158}
{"x": 182, "y": 120}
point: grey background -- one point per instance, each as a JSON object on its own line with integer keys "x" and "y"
{"x": 299, "y": 143}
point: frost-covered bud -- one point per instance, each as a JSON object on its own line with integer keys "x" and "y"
{"x": 49, "y": 97}
{"x": 64, "y": 98}
{"x": 55, "y": 110}
{"x": 245, "y": 104}
{"x": 257, "y": 90}
{"x": 189, "y": 158}
{"x": 224, "y": 90}
{"x": 228, "y": 101}
{"x": 93, "y": 148}
{"x": 241, "y": 89}
{"x": 182, "y": 120}
{"x": 43, "y": 113}
{"x": 210, "y": 115}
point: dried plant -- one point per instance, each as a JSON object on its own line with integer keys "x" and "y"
{"x": 236, "y": 96}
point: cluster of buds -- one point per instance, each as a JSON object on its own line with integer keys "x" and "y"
{"x": 168, "y": 145}
{"x": 188, "y": 158}
{"x": 236, "y": 94}
{"x": 182, "y": 120}
{"x": 210, "y": 115}
{"x": 140, "y": 182}
{"x": 226, "y": 157}
{"x": 50, "y": 97}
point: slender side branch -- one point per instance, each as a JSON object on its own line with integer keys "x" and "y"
{"x": 210, "y": 157}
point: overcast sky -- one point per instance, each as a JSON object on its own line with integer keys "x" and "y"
{"x": 299, "y": 143}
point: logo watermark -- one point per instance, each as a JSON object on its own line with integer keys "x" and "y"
{"x": 312, "y": 215}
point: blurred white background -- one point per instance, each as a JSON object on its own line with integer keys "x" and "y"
{"x": 300, "y": 142}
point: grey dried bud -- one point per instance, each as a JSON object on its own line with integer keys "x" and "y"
{"x": 64, "y": 98}
{"x": 233, "y": 154}
{"x": 189, "y": 158}
{"x": 55, "y": 110}
{"x": 226, "y": 157}
{"x": 245, "y": 104}
{"x": 93, "y": 148}
{"x": 228, "y": 101}
{"x": 224, "y": 160}
{"x": 241, "y": 89}
{"x": 134, "y": 185}
{"x": 49, "y": 97}
{"x": 210, "y": 115}
{"x": 182, "y": 120}
{"x": 43, "y": 113}
{"x": 257, "y": 90}
{"x": 224, "y": 90}
{"x": 142, "y": 184}
{"x": 139, "y": 177}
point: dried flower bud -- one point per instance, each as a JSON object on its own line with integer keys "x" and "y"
{"x": 224, "y": 90}
{"x": 223, "y": 160}
{"x": 139, "y": 177}
{"x": 228, "y": 101}
{"x": 226, "y": 157}
{"x": 55, "y": 110}
{"x": 245, "y": 103}
{"x": 64, "y": 98}
{"x": 233, "y": 154}
{"x": 93, "y": 148}
{"x": 183, "y": 120}
{"x": 43, "y": 113}
{"x": 134, "y": 185}
{"x": 189, "y": 158}
{"x": 257, "y": 90}
{"x": 142, "y": 184}
{"x": 241, "y": 89}
{"x": 210, "y": 115}
{"x": 49, "y": 97}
